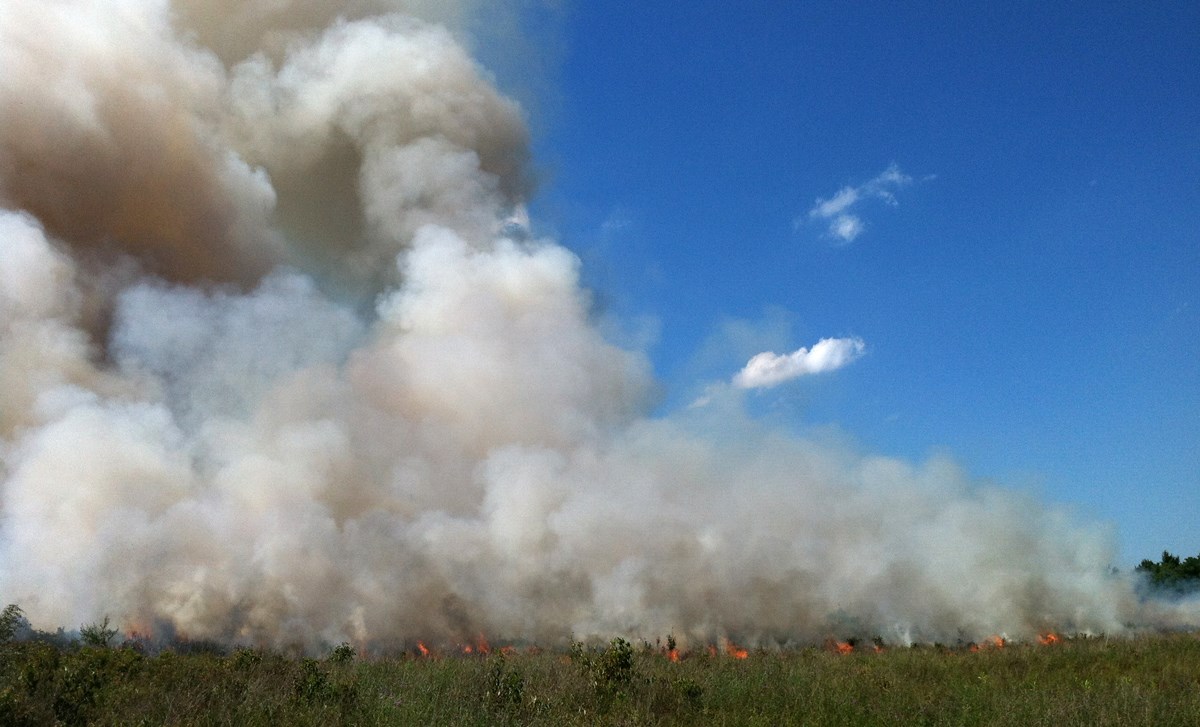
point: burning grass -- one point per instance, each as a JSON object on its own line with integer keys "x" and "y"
{"x": 1150, "y": 680}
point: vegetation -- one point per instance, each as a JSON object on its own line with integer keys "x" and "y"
{"x": 1151, "y": 680}
{"x": 1172, "y": 575}
{"x": 11, "y": 619}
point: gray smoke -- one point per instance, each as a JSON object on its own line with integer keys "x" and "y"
{"x": 202, "y": 431}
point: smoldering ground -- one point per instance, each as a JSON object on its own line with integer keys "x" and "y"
{"x": 276, "y": 367}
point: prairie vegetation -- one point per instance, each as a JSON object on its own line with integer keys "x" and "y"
{"x": 1148, "y": 680}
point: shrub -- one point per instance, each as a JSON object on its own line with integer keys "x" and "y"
{"x": 311, "y": 683}
{"x": 615, "y": 665}
{"x": 89, "y": 676}
{"x": 244, "y": 659}
{"x": 608, "y": 671}
{"x": 343, "y": 653}
{"x": 97, "y": 634}
{"x": 504, "y": 688}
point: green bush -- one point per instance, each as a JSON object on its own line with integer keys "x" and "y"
{"x": 245, "y": 659}
{"x": 343, "y": 653}
{"x": 504, "y": 688}
{"x": 99, "y": 634}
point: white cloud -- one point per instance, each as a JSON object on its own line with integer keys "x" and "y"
{"x": 769, "y": 369}
{"x": 835, "y": 204}
{"x": 617, "y": 221}
{"x": 845, "y": 226}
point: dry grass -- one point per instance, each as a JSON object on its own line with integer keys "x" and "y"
{"x": 1150, "y": 681}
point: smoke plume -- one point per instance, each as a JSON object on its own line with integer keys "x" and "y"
{"x": 275, "y": 370}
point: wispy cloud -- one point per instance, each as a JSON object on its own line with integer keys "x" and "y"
{"x": 769, "y": 369}
{"x": 845, "y": 224}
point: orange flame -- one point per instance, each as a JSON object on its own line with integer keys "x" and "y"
{"x": 736, "y": 651}
{"x": 138, "y": 631}
{"x": 421, "y": 647}
{"x": 673, "y": 655}
{"x": 994, "y": 641}
{"x": 843, "y": 647}
{"x": 1049, "y": 639}
{"x": 481, "y": 646}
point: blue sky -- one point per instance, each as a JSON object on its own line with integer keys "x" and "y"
{"x": 1027, "y": 293}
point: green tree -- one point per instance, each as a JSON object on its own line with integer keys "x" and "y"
{"x": 1172, "y": 574}
{"x": 11, "y": 620}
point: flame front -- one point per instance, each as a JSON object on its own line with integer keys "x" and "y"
{"x": 138, "y": 630}
{"x": 481, "y": 646}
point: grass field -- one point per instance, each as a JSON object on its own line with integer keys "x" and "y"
{"x": 1143, "y": 681}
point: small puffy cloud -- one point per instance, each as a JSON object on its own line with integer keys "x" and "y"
{"x": 845, "y": 225}
{"x": 769, "y": 369}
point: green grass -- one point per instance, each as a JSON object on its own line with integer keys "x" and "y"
{"x": 1146, "y": 681}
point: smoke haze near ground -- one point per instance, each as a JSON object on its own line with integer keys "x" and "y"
{"x": 202, "y": 432}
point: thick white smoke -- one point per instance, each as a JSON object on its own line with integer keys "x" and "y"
{"x": 202, "y": 431}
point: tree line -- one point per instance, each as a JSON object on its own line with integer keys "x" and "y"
{"x": 1172, "y": 574}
